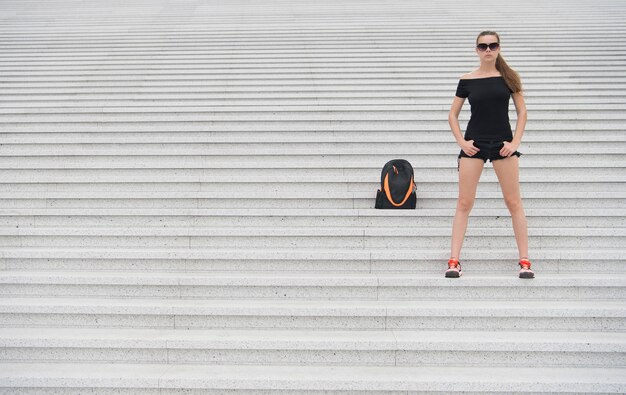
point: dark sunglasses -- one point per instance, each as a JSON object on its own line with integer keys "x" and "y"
{"x": 492, "y": 46}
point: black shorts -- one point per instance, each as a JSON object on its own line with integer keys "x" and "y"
{"x": 489, "y": 150}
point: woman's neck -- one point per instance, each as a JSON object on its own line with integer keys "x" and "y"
{"x": 486, "y": 71}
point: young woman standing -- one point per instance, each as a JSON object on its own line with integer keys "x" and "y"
{"x": 489, "y": 137}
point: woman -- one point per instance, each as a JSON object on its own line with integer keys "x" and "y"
{"x": 489, "y": 137}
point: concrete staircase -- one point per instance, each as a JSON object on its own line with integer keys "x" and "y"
{"x": 187, "y": 189}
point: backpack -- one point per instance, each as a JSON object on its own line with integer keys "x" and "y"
{"x": 397, "y": 186}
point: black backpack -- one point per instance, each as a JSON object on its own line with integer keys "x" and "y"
{"x": 397, "y": 186}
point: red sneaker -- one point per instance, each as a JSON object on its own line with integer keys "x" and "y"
{"x": 525, "y": 270}
{"x": 454, "y": 268}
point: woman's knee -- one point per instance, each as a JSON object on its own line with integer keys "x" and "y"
{"x": 464, "y": 204}
{"x": 514, "y": 204}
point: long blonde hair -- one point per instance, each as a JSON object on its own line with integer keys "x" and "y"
{"x": 511, "y": 77}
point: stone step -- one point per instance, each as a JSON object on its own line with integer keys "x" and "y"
{"x": 220, "y": 71}
{"x": 401, "y": 36}
{"x": 404, "y": 32}
{"x": 221, "y": 39}
{"x": 420, "y": 163}
{"x": 336, "y": 83}
{"x": 541, "y": 111}
{"x": 302, "y": 237}
{"x": 298, "y": 286}
{"x": 537, "y": 78}
{"x": 187, "y": 135}
{"x": 589, "y": 146}
{"x": 410, "y": 261}
{"x": 359, "y": 61}
{"x": 286, "y": 189}
{"x": 357, "y": 200}
{"x": 233, "y": 174}
{"x": 282, "y": 125}
{"x": 332, "y": 114}
{"x": 181, "y": 54}
{"x": 153, "y": 379}
{"x": 180, "y": 196}
{"x": 172, "y": 101}
{"x": 363, "y": 58}
{"x": 571, "y": 175}
{"x": 306, "y": 95}
{"x": 311, "y": 348}
{"x": 496, "y": 218}
{"x": 534, "y": 77}
{"x": 16, "y": 68}
{"x": 535, "y": 315}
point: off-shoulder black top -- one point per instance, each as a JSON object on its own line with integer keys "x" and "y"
{"x": 489, "y": 100}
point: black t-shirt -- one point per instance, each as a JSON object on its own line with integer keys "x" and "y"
{"x": 489, "y": 100}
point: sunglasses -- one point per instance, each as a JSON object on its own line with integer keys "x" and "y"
{"x": 492, "y": 46}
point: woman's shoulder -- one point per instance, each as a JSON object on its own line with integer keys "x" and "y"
{"x": 474, "y": 75}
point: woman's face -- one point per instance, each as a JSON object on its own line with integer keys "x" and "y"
{"x": 488, "y": 48}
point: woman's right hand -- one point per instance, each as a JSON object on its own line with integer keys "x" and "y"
{"x": 468, "y": 147}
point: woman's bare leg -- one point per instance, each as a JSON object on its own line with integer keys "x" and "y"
{"x": 507, "y": 171}
{"x": 470, "y": 170}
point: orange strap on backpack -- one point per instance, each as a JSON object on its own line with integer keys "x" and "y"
{"x": 388, "y": 192}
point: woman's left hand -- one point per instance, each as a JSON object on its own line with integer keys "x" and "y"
{"x": 508, "y": 149}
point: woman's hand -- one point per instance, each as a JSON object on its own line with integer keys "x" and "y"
{"x": 508, "y": 149}
{"x": 468, "y": 147}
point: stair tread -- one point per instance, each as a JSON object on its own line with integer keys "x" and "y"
{"x": 616, "y": 253}
{"x": 532, "y": 308}
{"x": 304, "y": 212}
{"x": 165, "y": 195}
{"x": 314, "y": 339}
{"x": 307, "y": 279}
{"x": 296, "y": 231}
{"x": 313, "y": 377}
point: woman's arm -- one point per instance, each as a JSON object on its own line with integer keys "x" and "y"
{"x": 520, "y": 125}
{"x": 453, "y": 119}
